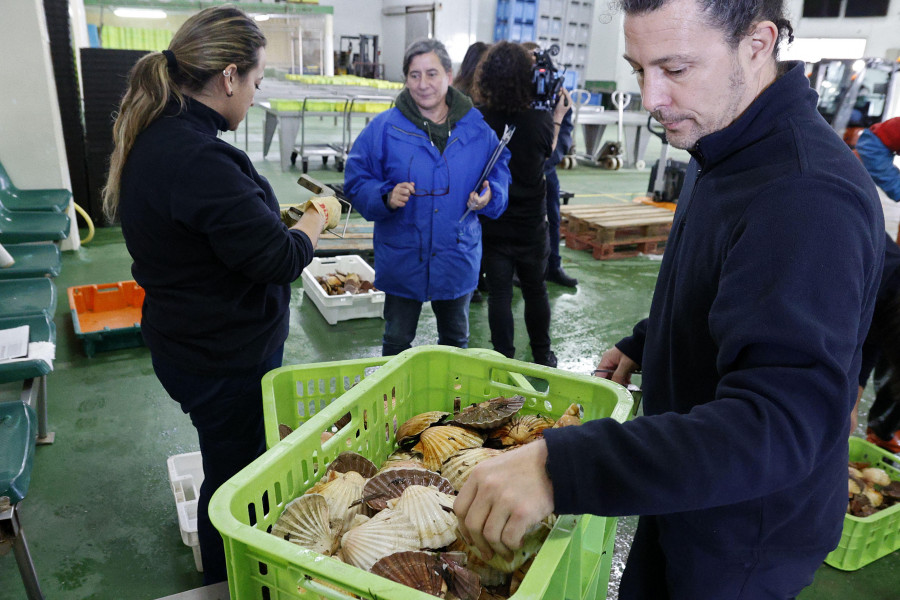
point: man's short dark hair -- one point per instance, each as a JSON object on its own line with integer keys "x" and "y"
{"x": 424, "y": 47}
{"x": 733, "y": 17}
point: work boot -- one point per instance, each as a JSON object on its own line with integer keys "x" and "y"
{"x": 548, "y": 359}
{"x": 892, "y": 445}
{"x": 560, "y": 277}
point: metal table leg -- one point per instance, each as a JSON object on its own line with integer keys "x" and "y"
{"x": 34, "y": 393}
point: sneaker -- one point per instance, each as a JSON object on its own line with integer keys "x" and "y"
{"x": 476, "y": 298}
{"x": 548, "y": 360}
{"x": 560, "y": 277}
{"x": 892, "y": 445}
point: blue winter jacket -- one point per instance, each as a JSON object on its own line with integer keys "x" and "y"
{"x": 751, "y": 352}
{"x": 422, "y": 251}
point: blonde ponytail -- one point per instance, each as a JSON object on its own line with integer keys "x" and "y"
{"x": 202, "y": 47}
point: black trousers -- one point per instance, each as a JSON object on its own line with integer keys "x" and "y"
{"x": 528, "y": 259}
{"x": 227, "y": 412}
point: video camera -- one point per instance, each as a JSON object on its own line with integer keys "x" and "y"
{"x": 546, "y": 78}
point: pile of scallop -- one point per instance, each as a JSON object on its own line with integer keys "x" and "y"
{"x": 337, "y": 283}
{"x": 397, "y": 521}
{"x": 870, "y": 490}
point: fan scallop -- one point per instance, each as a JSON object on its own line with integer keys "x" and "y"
{"x": 521, "y": 429}
{"x": 390, "y": 483}
{"x": 411, "y": 428}
{"x": 458, "y": 467}
{"x": 571, "y": 417}
{"x": 343, "y": 494}
{"x": 351, "y": 461}
{"x": 387, "y": 532}
{"x": 422, "y": 571}
{"x": 306, "y": 522}
{"x": 490, "y": 413}
{"x": 431, "y": 513}
{"x": 438, "y": 443}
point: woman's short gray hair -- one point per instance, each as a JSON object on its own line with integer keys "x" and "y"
{"x": 424, "y": 47}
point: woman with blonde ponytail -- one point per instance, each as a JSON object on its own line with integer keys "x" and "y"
{"x": 208, "y": 244}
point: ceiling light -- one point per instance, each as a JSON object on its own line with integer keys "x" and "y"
{"x": 139, "y": 13}
{"x": 261, "y": 17}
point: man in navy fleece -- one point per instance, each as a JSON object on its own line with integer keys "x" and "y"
{"x": 751, "y": 352}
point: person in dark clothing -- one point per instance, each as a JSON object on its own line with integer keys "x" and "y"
{"x": 881, "y": 353}
{"x": 517, "y": 240}
{"x": 208, "y": 242}
{"x": 465, "y": 79}
{"x": 555, "y": 272}
{"x": 752, "y": 350}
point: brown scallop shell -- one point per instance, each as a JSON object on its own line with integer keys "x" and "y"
{"x": 411, "y": 428}
{"x": 351, "y": 461}
{"x": 572, "y": 416}
{"x": 490, "y": 413}
{"x": 521, "y": 429}
{"x": 422, "y": 571}
{"x": 306, "y": 522}
{"x": 458, "y": 467}
{"x": 462, "y": 582}
{"x": 439, "y": 443}
{"x": 390, "y": 483}
{"x": 284, "y": 431}
{"x": 387, "y": 532}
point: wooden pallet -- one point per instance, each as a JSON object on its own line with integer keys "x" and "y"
{"x": 357, "y": 240}
{"x": 615, "y": 230}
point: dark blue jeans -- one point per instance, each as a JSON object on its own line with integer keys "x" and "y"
{"x": 401, "y": 319}
{"x": 528, "y": 259}
{"x": 553, "y": 261}
{"x": 227, "y": 412}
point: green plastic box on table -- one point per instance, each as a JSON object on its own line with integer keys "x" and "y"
{"x": 866, "y": 539}
{"x": 574, "y": 561}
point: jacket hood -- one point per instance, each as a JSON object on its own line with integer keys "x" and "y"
{"x": 459, "y": 105}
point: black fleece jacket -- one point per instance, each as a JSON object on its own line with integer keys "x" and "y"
{"x": 208, "y": 245}
{"x": 751, "y": 352}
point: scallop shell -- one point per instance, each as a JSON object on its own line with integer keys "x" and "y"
{"x": 387, "y": 532}
{"x": 458, "y": 467}
{"x": 421, "y": 571}
{"x": 390, "y": 483}
{"x": 403, "y": 458}
{"x": 411, "y": 428}
{"x": 305, "y": 522}
{"x": 431, "y": 513}
{"x": 490, "y": 413}
{"x": 531, "y": 543}
{"x": 351, "y": 461}
{"x": 284, "y": 431}
{"x": 344, "y": 494}
{"x": 572, "y": 416}
{"x": 463, "y": 583}
{"x": 437, "y": 444}
{"x": 522, "y": 429}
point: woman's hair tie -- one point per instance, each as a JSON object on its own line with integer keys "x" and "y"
{"x": 171, "y": 63}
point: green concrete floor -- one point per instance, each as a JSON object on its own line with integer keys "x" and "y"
{"x": 100, "y": 517}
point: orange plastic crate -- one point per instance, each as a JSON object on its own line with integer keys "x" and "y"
{"x": 107, "y": 316}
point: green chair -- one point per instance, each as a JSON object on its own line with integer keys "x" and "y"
{"x": 19, "y": 297}
{"x": 17, "y": 444}
{"x": 32, "y": 226}
{"x": 14, "y": 199}
{"x": 32, "y": 260}
{"x": 32, "y": 371}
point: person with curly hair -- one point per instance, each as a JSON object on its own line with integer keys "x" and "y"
{"x": 516, "y": 242}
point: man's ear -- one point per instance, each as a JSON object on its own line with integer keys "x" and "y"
{"x": 763, "y": 41}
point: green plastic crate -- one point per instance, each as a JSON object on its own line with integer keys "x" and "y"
{"x": 573, "y": 563}
{"x": 285, "y": 105}
{"x": 294, "y": 394}
{"x": 866, "y": 539}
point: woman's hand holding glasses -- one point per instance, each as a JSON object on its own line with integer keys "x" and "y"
{"x": 400, "y": 194}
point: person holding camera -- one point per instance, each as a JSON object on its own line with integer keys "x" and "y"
{"x": 414, "y": 171}
{"x": 516, "y": 242}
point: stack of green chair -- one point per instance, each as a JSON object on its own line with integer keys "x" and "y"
{"x": 32, "y": 215}
{"x": 13, "y": 199}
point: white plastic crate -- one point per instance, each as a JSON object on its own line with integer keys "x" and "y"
{"x": 185, "y": 477}
{"x": 346, "y": 306}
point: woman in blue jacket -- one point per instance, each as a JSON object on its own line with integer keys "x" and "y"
{"x": 412, "y": 171}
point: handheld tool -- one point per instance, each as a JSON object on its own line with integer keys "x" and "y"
{"x": 320, "y": 189}
{"x": 508, "y": 131}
